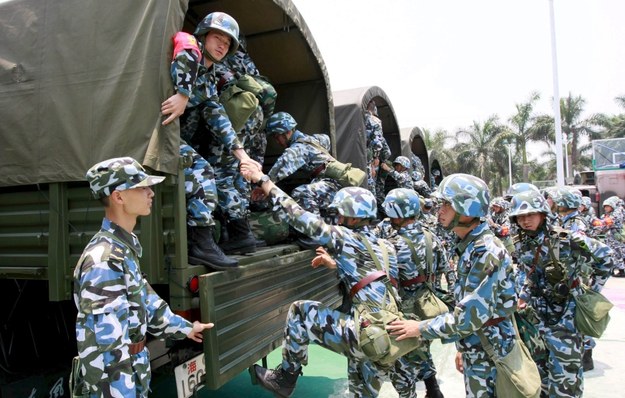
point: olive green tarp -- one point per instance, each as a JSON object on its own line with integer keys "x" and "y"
{"x": 349, "y": 109}
{"x": 83, "y": 80}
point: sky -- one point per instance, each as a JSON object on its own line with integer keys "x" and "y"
{"x": 447, "y": 63}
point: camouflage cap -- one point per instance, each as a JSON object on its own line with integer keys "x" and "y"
{"x": 528, "y": 202}
{"x": 467, "y": 194}
{"x": 280, "y": 123}
{"x": 402, "y": 203}
{"x": 355, "y": 202}
{"x": 402, "y": 160}
{"x": 118, "y": 174}
{"x": 568, "y": 198}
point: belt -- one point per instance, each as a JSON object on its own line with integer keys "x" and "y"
{"x": 135, "y": 348}
{"x": 374, "y": 276}
{"x": 318, "y": 170}
{"x": 494, "y": 321}
{"x": 224, "y": 79}
{"x": 418, "y": 279}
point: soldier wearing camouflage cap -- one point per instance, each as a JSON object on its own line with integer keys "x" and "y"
{"x": 555, "y": 262}
{"x": 378, "y": 151}
{"x": 211, "y": 177}
{"x": 116, "y": 305}
{"x": 612, "y": 222}
{"x": 568, "y": 201}
{"x": 344, "y": 249}
{"x": 484, "y": 292}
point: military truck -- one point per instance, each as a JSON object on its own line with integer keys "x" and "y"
{"x": 413, "y": 142}
{"x": 608, "y": 160}
{"x": 82, "y": 81}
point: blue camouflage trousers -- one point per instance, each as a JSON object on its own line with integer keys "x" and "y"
{"x": 128, "y": 378}
{"x": 310, "y": 322}
{"x": 316, "y": 195}
{"x": 479, "y": 374}
{"x": 560, "y": 365}
{"x": 253, "y": 138}
{"x": 199, "y": 187}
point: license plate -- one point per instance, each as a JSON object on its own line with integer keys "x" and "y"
{"x": 189, "y": 375}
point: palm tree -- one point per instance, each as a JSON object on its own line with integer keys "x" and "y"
{"x": 573, "y": 126}
{"x": 613, "y": 126}
{"x": 477, "y": 145}
{"x": 522, "y": 123}
{"x": 441, "y": 142}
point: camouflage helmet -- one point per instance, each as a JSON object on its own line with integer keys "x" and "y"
{"x": 467, "y": 194}
{"x": 568, "y": 198}
{"x": 280, "y": 123}
{"x": 520, "y": 187}
{"x": 402, "y": 160}
{"x": 355, "y": 202}
{"x": 586, "y": 201}
{"x": 118, "y": 174}
{"x": 499, "y": 201}
{"x": 612, "y": 201}
{"x": 222, "y": 22}
{"x": 402, "y": 203}
{"x": 528, "y": 202}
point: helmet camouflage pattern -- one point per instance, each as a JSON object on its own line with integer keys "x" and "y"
{"x": 528, "y": 202}
{"x": 467, "y": 194}
{"x": 612, "y": 201}
{"x": 520, "y": 187}
{"x": 402, "y": 203}
{"x": 280, "y": 123}
{"x": 355, "y": 202}
{"x": 402, "y": 160}
{"x": 222, "y": 22}
{"x": 499, "y": 201}
{"x": 118, "y": 174}
{"x": 586, "y": 201}
{"x": 568, "y": 198}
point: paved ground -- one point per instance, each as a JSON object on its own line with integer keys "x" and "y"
{"x": 325, "y": 376}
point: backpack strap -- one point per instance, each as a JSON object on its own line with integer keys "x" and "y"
{"x": 429, "y": 255}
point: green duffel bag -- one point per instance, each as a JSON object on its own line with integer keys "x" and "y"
{"x": 375, "y": 341}
{"x": 345, "y": 174}
{"x": 239, "y": 105}
{"x": 425, "y": 304}
{"x": 592, "y": 312}
{"x": 267, "y": 226}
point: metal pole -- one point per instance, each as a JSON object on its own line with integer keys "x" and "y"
{"x": 510, "y": 163}
{"x": 566, "y": 157}
{"x": 556, "y": 99}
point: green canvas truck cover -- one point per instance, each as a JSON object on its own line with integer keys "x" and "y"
{"x": 83, "y": 80}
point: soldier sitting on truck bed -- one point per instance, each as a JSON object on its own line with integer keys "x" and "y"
{"x": 116, "y": 305}
{"x": 204, "y": 119}
{"x": 302, "y": 152}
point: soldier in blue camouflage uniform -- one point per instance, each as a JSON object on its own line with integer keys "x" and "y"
{"x": 554, "y": 260}
{"x": 612, "y": 226}
{"x": 378, "y": 151}
{"x": 400, "y": 172}
{"x": 205, "y": 123}
{"x": 311, "y": 322}
{"x": 588, "y": 212}
{"x": 408, "y": 236}
{"x": 500, "y": 222}
{"x": 417, "y": 171}
{"x": 116, "y": 305}
{"x": 485, "y": 297}
{"x": 309, "y": 153}
{"x": 568, "y": 202}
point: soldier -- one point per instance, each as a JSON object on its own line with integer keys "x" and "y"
{"x": 205, "y": 124}
{"x": 419, "y": 255}
{"x": 417, "y": 171}
{"x": 116, "y": 305}
{"x": 302, "y": 152}
{"x": 588, "y": 212}
{"x": 484, "y": 293}
{"x": 312, "y": 322}
{"x": 612, "y": 225}
{"x": 400, "y": 172}
{"x": 378, "y": 150}
{"x": 568, "y": 202}
{"x": 553, "y": 260}
{"x": 500, "y": 223}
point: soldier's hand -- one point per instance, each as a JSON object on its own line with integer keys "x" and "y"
{"x": 521, "y": 304}
{"x": 323, "y": 258}
{"x": 174, "y": 106}
{"x": 258, "y": 194}
{"x": 198, "y": 328}
{"x": 404, "y": 329}
{"x": 458, "y": 361}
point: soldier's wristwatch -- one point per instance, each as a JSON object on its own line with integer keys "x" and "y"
{"x": 263, "y": 180}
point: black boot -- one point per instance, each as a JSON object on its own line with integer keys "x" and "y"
{"x": 241, "y": 239}
{"x": 587, "y": 361}
{"x": 203, "y": 250}
{"x": 431, "y": 388}
{"x": 278, "y": 381}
